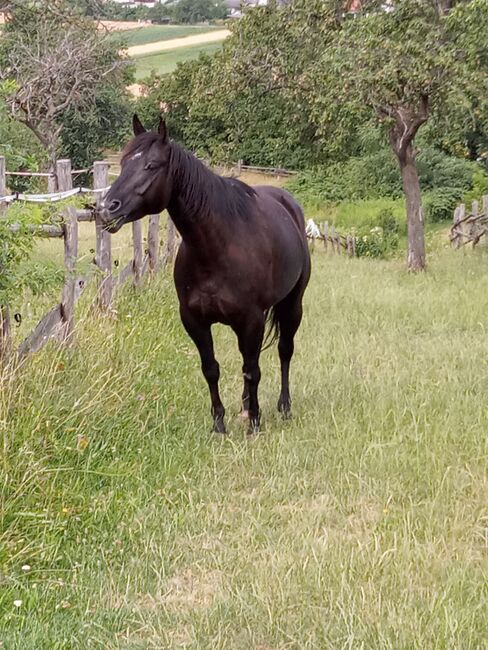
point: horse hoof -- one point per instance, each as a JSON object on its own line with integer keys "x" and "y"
{"x": 219, "y": 427}
{"x": 253, "y": 429}
{"x": 285, "y": 411}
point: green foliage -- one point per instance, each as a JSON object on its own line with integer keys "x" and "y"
{"x": 55, "y": 66}
{"x": 357, "y": 523}
{"x": 21, "y": 151}
{"x": 16, "y": 242}
{"x": 439, "y": 204}
{"x": 479, "y": 187}
{"x": 367, "y": 177}
{"x": 196, "y": 11}
{"x": 437, "y": 169}
{"x": 375, "y": 243}
{"x": 103, "y": 125}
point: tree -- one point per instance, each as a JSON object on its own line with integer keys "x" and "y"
{"x": 418, "y": 60}
{"x": 196, "y": 11}
{"x": 400, "y": 63}
{"x": 55, "y": 62}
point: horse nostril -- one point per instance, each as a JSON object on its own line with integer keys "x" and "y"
{"x": 114, "y": 205}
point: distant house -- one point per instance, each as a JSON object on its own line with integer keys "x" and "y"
{"x": 236, "y": 7}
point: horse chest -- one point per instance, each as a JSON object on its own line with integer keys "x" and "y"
{"x": 210, "y": 301}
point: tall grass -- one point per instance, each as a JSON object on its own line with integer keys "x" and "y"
{"x": 361, "y": 523}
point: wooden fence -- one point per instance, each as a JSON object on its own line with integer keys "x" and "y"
{"x": 471, "y": 227}
{"x": 334, "y": 242}
{"x": 59, "y": 321}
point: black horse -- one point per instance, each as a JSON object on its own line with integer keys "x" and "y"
{"x": 243, "y": 258}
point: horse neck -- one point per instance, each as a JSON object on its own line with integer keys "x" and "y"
{"x": 190, "y": 205}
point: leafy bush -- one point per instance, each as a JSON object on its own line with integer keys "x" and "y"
{"x": 16, "y": 241}
{"x": 436, "y": 169}
{"x": 440, "y": 203}
{"x": 478, "y": 189}
{"x": 375, "y": 243}
{"x": 370, "y": 176}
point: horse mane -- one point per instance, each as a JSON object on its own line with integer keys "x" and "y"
{"x": 205, "y": 192}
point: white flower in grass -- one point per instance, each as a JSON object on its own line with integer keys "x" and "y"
{"x": 17, "y": 603}
{"x": 26, "y": 568}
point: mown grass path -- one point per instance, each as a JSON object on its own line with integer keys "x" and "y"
{"x": 361, "y": 523}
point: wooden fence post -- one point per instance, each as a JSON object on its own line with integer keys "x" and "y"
{"x": 138, "y": 253}
{"x": 462, "y": 226}
{"x": 5, "y": 333}
{"x": 65, "y": 182}
{"x": 170, "y": 247}
{"x": 103, "y": 257}
{"x": 52, "y": 183}
{"x": 153, "y": 242}
{"x": 326, "y": 235}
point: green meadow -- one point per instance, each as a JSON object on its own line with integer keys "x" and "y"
{"x": 360, "y": 523}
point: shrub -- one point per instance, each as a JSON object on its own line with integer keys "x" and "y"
{"x": 436, "y": 169}
{"x": 439, "y": 204}
{"x": 478, "y": 189}
{"x": 375, "y": 243}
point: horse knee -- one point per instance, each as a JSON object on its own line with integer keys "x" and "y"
{"x": 252, "y": 373}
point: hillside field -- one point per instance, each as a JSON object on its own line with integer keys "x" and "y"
{"x": 360, "y": 523}
{"x": 154, "y": 33}
{"x": 165, "y": 62}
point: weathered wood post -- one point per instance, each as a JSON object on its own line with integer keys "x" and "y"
{"x": 170, "y": 248}
{"x": 65, "y": 182}
{"x": 459, "y": 214}
{"x": 153, "y": 242}
{"x": 354, "y": 246}
{"x": 473, "y": 226}
{"x": 5, "y": 334}
{"x": 103, "y": 256}
{"x": 138, "y": 253}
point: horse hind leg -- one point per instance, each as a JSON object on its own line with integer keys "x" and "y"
{"x": 289, "y": 315}
{"x": 250, "y": 338}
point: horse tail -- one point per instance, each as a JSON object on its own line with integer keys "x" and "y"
{"x": 273, "y": 324}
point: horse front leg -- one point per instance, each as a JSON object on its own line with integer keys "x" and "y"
{"x": 202, "y": 337}
{"x": 250, "y": 336}
{"x": 244, "y": 414}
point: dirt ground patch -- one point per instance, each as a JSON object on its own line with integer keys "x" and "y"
{"x": 122, "y": 26}
{"x": 174, "y": 43}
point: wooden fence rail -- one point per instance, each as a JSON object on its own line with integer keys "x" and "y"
{"x": 59, "y": 322}
{"x": 470, "y": 228}
{"x": 333, "y": 241}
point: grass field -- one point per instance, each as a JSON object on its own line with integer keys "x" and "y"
{"x": 361, "y": 523}
{"x": 156, "y": 33}
{"x": 165, "y": 62}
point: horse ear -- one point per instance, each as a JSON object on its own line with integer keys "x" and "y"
{"x": 162, "y": 129}
{"x": 137, "y": 125}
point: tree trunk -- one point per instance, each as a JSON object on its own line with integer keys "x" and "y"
{"x": 415, "y": 217}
